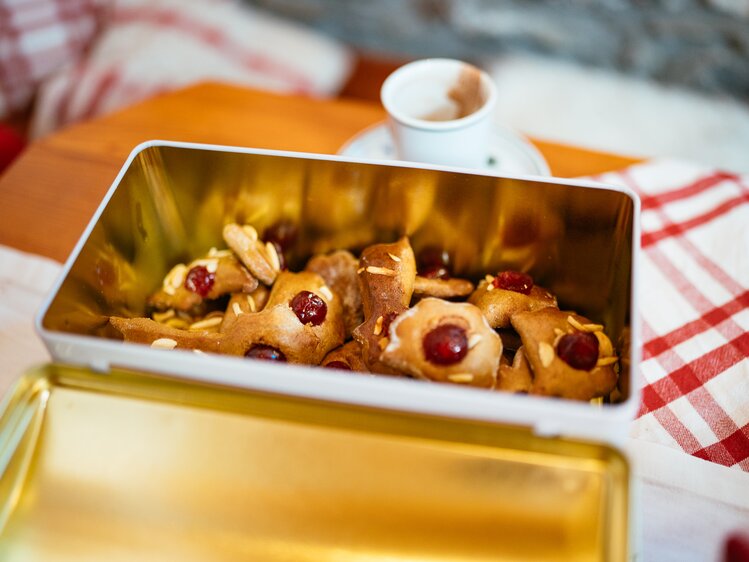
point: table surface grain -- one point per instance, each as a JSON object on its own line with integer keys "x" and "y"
{"x": 50, "y": 193}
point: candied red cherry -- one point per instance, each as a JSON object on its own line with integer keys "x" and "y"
{"x": 513, "y": 281}
{"x": 431, "y": 256}
{"x": 309, "y": 308}
{"x": 266, "y": 353}
{"x": 433, "y": 262}
{"x": 283, "y": 233}
{"x": 340, "y": 365}
{"x": 435, "y": 272}
{"x": 199, "y": 280}
{"x": 579, "y": 350}
{"x": 446, "y": 344}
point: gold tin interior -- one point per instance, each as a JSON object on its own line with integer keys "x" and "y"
{"x": 173, "y": 201}
{"x": 135, "y": 467}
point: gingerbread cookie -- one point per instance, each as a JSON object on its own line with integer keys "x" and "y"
{"x": 570, "y": 356}
{"x": 186, "y": 287}
{"x": 339, "y": 269}
{"x": 443, "y": 341}
{"x": 386, "y": 280}
{"x": 510, "y": 292}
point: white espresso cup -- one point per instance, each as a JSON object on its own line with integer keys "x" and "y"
{"x": 440, "y": 112}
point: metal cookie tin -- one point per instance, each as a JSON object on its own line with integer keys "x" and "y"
{"x": 170, "y": 201}
{"x": 136, "y": 467}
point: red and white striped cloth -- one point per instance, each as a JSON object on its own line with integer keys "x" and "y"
{"x": 38, "y": 37}
{"x": 694, "y": 309}
{"x": 134, "y": 49}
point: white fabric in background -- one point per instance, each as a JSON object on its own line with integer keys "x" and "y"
{"x": 148, "y": 47}
{"x": 603, "y": 110}
{"x": 24, "y": 281}
{"x": 687, "y": 506}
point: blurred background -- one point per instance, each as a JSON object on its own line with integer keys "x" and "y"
{"x": 652, "y": 78}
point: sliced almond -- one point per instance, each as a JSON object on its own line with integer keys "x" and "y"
{"x": 236, "y": 308}
{"x": 207, "y": 323}
{"x": 214, "y": 253}
{"x": 376, "y": 270}
{"x": 460, "y": 377}
{"x": 383, "y": 343}
{"x": 164, "y": 343}
{"x": 250, "y": 232}
{"x": 162, "y": 317}
{"x": 490, "y": 287}
{"x": 574, "y": 323}
{"x": 275, "y": 261}
{"x": 326, "y": 292}
{"x": 474, "y": 340}
{"x": 210, "y": 264}
{"x": 175, "y": 278}
{"x": 606, "y": 361}
{"x": 545, "y": 353}
{"x": 251, "y": 303}
{"x": 179, "y": 323}
{"x": 377, "y": 330}
{"x": 605, "y": 349}
{"x": 584, "y": 327}
{"x": 394, "y": 257}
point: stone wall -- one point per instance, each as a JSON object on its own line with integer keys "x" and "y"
{"x": 699, "y": 44}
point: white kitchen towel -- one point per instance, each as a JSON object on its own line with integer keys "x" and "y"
{"x": 24, "y": 281}
{"x": 694, "y": 308}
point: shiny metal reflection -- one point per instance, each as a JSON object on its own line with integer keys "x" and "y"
{"x": 128, "y": 467}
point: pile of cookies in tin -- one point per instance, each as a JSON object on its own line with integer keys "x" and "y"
{"x": 386, "y": 311}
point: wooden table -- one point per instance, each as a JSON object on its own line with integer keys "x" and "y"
{"x": 50, "y": 193}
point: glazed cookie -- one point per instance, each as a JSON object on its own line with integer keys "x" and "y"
{"x": 339, "y": 271}
{"x": 386, "y": 280}
{"x": 510, "y": 292}
{"x": 302, "y": 321}
{"x": 348, "y": 357}
{"x": 443, "y": 341}
{"x": 442, "y": 288}
{"x": 241, "y": 303}
{"x": 260, "y": 258}
{"x": 570, "y": 356}
{"x": 161, "y": 336}
{"x": 185, "y": 287}
{"x": 516, "y": 377}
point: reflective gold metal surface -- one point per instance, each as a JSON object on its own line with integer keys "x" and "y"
{"x": 135, "y": 467}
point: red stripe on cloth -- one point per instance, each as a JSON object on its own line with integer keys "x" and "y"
{"x": 14, "y": 66}
{"x": 681, "y": 433}
{"x": 62, "y": 107}
{"x": 732, "y": 449}
{"x": 65, "y": 14}
{"x": 215, "y": 37}
{"x": 660, "y": 344}
{"x": 674, "y": 229}
{"x": 702, "y": 184}
{"x": 105, "y": 83}
{"x": 704, "y": 404}
{"x": 695, "y": 373}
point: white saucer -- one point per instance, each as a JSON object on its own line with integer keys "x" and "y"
{"x": 507, "y": 152}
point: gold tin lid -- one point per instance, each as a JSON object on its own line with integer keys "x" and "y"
{"x": 137, "y": 467}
